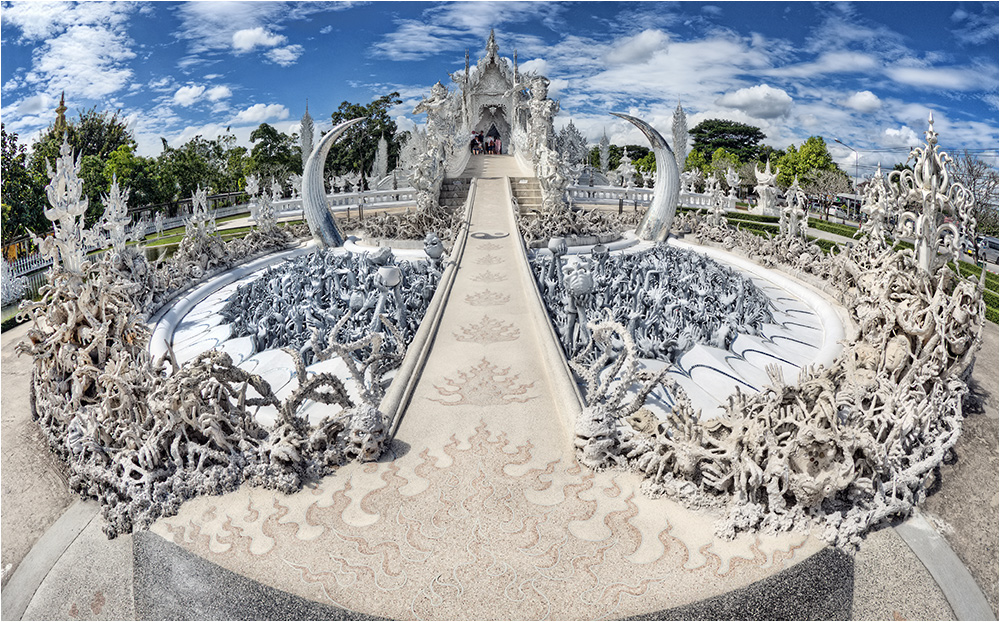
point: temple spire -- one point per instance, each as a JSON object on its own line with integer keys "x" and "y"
{"x": 491, "y": 46}
{"x": 60, "y": 125}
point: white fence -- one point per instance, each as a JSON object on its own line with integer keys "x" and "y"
{"x": 610, "y": 195}
{"x": 29, "y": 264}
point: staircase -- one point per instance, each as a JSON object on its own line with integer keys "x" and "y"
{"x": 454, "y": 191}
{"x": 527, "y": 192}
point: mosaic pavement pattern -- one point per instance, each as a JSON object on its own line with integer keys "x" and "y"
{"x": 488, "y": 535}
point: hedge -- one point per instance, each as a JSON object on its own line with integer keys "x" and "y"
{"x": 832, "y": 227}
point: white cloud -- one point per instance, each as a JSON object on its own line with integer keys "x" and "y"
{"x": 34, "y": 105}
{"x": 188, "y": 95}
{"x": 976, "y": 29}
{"x": 285, "y": 56}
{"x": 827, "y": 63}
{"x": 952, "y": 78}
{"x": 218, "y": 92}
{"x": 903, "y": 137}
{"x": 456, "y": 26}
{"x": 163, "y": 84}
{"x": 864, "y": 101}
{"x": 637, "y": 49}
{"x": 535, "y": 65}
{"x": 83, "y": 49}
{"x": 44, "y": 20}
{"x": 325, "y": 30}
{"x": 762, "y": 101}
{"x": 214, "y": 26}
{"x": 259, "y": 113}
{"x": 250, "y": 38}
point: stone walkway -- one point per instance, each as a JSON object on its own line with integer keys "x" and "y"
{"x": 479, "y": 510}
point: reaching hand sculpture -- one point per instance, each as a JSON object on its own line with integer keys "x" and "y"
{"x": 655, "y": 225}
{"x": 317, "y": 213}
{"x": 928, "y": 187}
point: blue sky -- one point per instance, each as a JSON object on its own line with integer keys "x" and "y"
{"x": 867, "y": 73}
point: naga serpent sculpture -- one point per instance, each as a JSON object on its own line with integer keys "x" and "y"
{"x": 655, "y": 225}
{"x": 314, "y": 207}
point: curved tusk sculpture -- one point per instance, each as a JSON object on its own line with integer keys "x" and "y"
{"x": 655, "y": 225}
{"x": 314, "y": 206}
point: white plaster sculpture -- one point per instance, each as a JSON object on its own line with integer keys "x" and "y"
{"x": 876, "y": 206}
{"x": 13, "y": 288}
{"x": 289, "y": 303}
{"x": 713, "y": 189}
{"x": 767, "y": 189}
{"x": 380, "y": 168}
{"x": 733, "y": 181}
{"x": 626, "y": 171}
{"x": 604, "y": 151}
{"x": 655, "y": 225}
{"x": 67, "y": 208}
{"x": 314, "y": 205}
{"x": 553, "y": 177}
{"x": 265, "y": 213}
{"x": 141, "y": 441}
{"x": 929, "y": 189}
{"x": 295, "y": 185}
{"x": 436, "y": 107}
{"x": 793, "y": 215}
{"x": 679, "y": 131}
{"x": 843, "y": 448}
{"x": 306, "y": 129}
{"x": 541, "y": 112}
{"x": 689, "y": 180}
{"x": 571, "y": 144}
{"x": 578, "y": 223}
{"x": 159, "y": 224}
{"x": 668, "y": 299}
{"x": 115, "y": 219}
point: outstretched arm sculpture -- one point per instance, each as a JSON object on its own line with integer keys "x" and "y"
{"x": 314, "y": 206}
{"x": 655, "y": 225}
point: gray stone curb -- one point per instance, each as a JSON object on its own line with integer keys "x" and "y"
{"x": 966, "y": 599}
{"x": 43, "y": 556}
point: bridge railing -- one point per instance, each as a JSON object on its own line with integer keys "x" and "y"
{"x": 610, "y": 195}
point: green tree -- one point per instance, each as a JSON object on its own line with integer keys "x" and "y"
{"x": 811, "y": 156}
{"x": 275, "y": 155}
{"x": 614, "y": 157}
{"x": 140, "y": 174}
{"x": 22, "y": 192}
{"x": 767, "y": 152}
{"x": 355, "y": 151}
{"x": 216, "y": 164}
{"x": 722, "y": 161}
{"x": 697, "y": 161}
{"x": 647, "y": 162}
{"x": 737, "y": 138}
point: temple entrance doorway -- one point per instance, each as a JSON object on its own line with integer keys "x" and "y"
{"x": 492, "y": 123}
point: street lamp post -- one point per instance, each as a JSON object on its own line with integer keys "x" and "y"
{"x": 837, "y": 140}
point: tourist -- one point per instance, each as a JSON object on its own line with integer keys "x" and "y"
{"x": 496, "y": 145}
